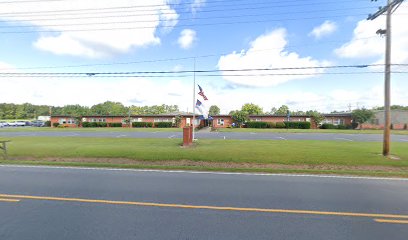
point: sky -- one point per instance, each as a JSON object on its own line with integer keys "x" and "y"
{"x": 301, "y": 44}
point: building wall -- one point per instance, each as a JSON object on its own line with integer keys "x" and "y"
{"x": 397, "y": 116}
{"x": 227, "y": 121}
{"x": 336, "y": 120}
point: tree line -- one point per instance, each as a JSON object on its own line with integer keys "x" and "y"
{"x": 31, "y": 111}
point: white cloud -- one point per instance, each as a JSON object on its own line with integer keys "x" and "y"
{"x": 196, "y": 5}
{"x": 140, "y": 18}
{"x": 366, "y": 44}
{"x": 325, "y": 29}
{"x": 261, "y": 56}
{"x": 187, "y": 38}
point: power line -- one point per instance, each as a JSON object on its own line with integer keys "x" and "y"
{"x": 148, "y": 21}
{"x": 194, "y": 71}
{"x": 161, "y": 5}
{"x": 177, "y": 26}
{"x": 171, "y": 59}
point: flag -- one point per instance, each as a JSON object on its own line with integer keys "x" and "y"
{"x": 201, "y": 108}
{"x": 201, "y": 93}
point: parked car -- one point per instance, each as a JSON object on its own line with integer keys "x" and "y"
{"x": 37, "y": 123}
{"x": 3, "y": 124}
{"x": 20, "y": 123}
{"x": 12, "y": 124}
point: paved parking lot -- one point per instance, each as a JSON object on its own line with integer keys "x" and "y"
{"x": 214, "y": 135}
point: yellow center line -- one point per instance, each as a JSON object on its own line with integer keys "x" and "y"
{"x": 168, "y": 205}
{"x": 9, "y": 200}
{"x": 391, "y": 221}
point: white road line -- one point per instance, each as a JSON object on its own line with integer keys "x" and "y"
{"x": 212, "y": 173}
{"x": 346, "y": 139}
{"x": 252, "y": 133}
{"x": 123, "y": 135}
{"x": 172, "y": 136}
{"x": 404, "y": 140}
{"x": 281, "y": 138}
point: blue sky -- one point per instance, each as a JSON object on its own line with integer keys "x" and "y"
{"x": 165, "y": 35}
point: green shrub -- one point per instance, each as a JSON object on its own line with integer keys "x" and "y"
{"x": 93, "y": 124}
{"x": 392, "y": 126}
{"x": 406, "y": 126}
{"x": 271, "y": 124}
{"x": 55, "y": 124}
{"x": 163, "y": 124}
{"x": 342, "y": 126}
{"x": 47, "y": 124}
{"x": 115, "y": 124}
{"x": 257, "y": 124}
{"x": 85, "y": 124}
{"x": 298, "y": 125}
{"x": 142, "y": 124}
{"x": 328, "y": 126}
{"x": 280, "y": 125}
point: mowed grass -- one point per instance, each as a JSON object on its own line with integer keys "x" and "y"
{"x": 113, "y": 129}
{"x": 226, "y": 151}
{"x": 284, "y": 130}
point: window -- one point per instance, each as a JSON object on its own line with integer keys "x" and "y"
{"x": 102, "y": 120}
{"x": 256, "y": 119}
{"x": 220, "y": 121}
{"x": 71, "y": 121}
{"x": 62, "y": 121}
{"x": 163, "y": 120}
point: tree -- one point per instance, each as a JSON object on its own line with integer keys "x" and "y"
{"x": 110, "y": 108}
{"x": 317, "y": 117}
{"x": 361, "y": 115}
{"x": 273, "y": 110}
{"x": 283, "y": 110}
{"x": 240, "y": 117}
{"x": 214, "y": 110}
{"x": 252, "y": 109}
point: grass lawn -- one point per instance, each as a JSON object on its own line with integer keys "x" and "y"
{"x": 277, "y": 130}
{"x": 113, "y": 129}
{"x": 339, "y": 157}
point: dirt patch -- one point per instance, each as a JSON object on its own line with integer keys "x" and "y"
{"x": 226, "y": 165}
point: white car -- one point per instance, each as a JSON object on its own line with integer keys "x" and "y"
{"x": 3, "y": 124}
{"x": 12, "y": 124}
{"x": 20, "y": 123}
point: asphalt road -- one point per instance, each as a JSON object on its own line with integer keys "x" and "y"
{"x": 63, "y": 203}
{"x": 215, "y": 135}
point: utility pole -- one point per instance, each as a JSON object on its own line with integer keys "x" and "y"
{"x": 194, "y": 98}
{"x": 388, "y": 10}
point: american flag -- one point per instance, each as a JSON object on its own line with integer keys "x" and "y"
{"x": 201, "y": 93}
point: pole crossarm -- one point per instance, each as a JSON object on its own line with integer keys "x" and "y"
{"x": 383, "y": 10}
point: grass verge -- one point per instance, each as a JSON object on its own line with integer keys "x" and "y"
{"x": 328, "y": 157}
{"x": 113, "y": 129}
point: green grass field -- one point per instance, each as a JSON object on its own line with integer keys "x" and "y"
{"x": 362, "y": 158}
{"x": 113, "y": 129}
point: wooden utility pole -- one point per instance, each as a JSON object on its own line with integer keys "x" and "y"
{"x": 388, "y": 10}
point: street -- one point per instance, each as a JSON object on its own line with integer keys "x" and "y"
{"x": 85, "y": 203}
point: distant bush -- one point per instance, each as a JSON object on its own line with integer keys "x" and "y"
{"x": 142, "y": 124}
{"x": 328, "y": 126}
{"x": 342, "y": 126}
{"x": 280, "y": 125}
{"x": 94, "y": 124}
{"x": 271, "y": 124}
{"x": 164, "y": 124}
{"x": 47, "y": 124}
{"x": 257, "y": 124}
{"x": 406, "y": 126}
{"x": 392, "y": 126}
{"x": 298, "y": 125}
{"x": 55, "y": 124}
{"x": 115, "y": 124}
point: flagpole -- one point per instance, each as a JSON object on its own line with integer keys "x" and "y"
{"x": 194, "y": 78}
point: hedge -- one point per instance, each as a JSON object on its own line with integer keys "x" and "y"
{"x": 298, "y": 125}
{"x": 280, "y": 125}
{"x": 328, "y": 126}
{"x": 47, "y": 124}
{"x": 142, "y": 124}
{"x": 115, "y": 124}
{"x": 55, "y": 124}
{"x": 94, "y": 124}
{"x": 163, "y": 124}
{"x": 256, "y": 124}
